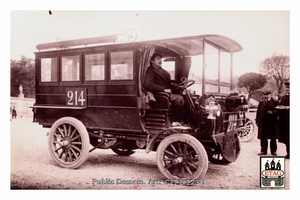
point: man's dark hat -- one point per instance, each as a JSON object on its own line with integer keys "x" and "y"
{"x": 266, "y": 92}
{"x": 156, "y": 55}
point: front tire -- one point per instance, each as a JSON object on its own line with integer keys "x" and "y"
{"x": 68, "y": 142}
{"x": 181, "y": 156}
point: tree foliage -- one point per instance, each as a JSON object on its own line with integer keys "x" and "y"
{"x": 22, "y": 72}
{"x": 277, "y": 67}
{"x": 251, "y": 81}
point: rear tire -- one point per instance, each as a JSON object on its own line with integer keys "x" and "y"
{"x": 68, "y": 142}
{"x": 249, "y": 130}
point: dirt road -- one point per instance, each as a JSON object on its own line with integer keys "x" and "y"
{"x": 33, "y": 168}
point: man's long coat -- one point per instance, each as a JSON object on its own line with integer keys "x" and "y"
{"x": 156, "y": 80}
{"x": 284, "y": 120}
{"x": 267, "y": 123}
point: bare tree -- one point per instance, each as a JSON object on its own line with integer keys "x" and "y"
{"x": 277, "y": 67}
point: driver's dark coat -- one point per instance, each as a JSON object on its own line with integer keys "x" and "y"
{"x": 156, "y": 80}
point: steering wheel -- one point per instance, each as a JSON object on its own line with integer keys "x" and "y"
{"x": 185, "y": 83}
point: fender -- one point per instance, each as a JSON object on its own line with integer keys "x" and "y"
{"x": 156, "y": 136}
{"x": 230, "y": 145}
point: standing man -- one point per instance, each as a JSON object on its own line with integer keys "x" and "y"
{"x": 159, "y": 80}
{"x": 284, "y": 120}
{"x": 14, "y": 113}
{"x": 266, "y": 120}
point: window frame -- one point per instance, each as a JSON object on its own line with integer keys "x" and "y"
{"x": 40, "y": 70}
{"x": 92, "y": 82}
{"x": 80, "y": 68}
{"x": 109, "y": 65}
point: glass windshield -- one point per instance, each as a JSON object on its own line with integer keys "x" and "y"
{"x": 217, "y": 71}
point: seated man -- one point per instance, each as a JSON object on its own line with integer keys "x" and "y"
{"x": 159, "y": 80}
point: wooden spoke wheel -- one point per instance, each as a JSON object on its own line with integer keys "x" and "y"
{"x": 181, "y": 156}
{"x": 68, "y": 142}
{"x": 248, "y": 131}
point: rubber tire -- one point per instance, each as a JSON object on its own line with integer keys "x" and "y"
{"x": 84, "y": 139}
{"x": 250, "y": 136}
{"x": 191, "y": 141}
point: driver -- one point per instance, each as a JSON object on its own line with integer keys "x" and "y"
{"x": 159, "y": 80}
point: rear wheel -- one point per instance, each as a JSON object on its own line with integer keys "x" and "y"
{"x": 68, "y": 142}
{"x": 248, "y": 131}
{"x": 181, "y": 157}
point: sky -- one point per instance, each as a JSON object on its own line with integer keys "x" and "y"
{"x": 260, "y": 33}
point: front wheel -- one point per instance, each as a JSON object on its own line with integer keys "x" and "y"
{"x": 68, "y": 142}
{"x": 181, "y": 156}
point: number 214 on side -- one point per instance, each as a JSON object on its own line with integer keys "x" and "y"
{"x": 76, "y": 97}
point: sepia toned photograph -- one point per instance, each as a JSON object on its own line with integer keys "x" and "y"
{"x": 150, "y": 100}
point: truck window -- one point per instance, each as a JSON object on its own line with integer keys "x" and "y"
{"x": 121, "y": 65}
{"x": 48, "y": 69}
{"x": 70, "y": 68}
{"x": 94, "y": 67}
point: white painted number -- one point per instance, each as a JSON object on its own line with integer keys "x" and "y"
{"x": 70, "y": 96}
{"x": 81, "y": 98}
{"x": 74, "y": 98}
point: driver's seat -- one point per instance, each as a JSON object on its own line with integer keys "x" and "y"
{"x": 160, "y": 112}
{"x": 160, "y": 101}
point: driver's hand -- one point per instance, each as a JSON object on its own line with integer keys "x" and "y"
{"x": 168, "y": 90}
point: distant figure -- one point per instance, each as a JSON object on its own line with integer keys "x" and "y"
{"x": 34, "y": 114}
{"x": 14, "y": 113}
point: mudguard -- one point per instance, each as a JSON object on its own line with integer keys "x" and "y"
{"x": 230, "y": 145}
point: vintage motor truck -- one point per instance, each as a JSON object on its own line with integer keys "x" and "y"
{"x": 90, "y": 93}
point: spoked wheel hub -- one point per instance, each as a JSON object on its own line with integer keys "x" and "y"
{"x": 181, "y": 156}
{"x": 68, "y": 142}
